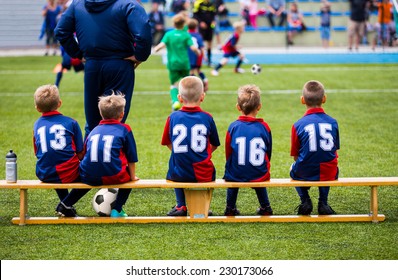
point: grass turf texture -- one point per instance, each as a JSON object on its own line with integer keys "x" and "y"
{"x": 359, "y": 99}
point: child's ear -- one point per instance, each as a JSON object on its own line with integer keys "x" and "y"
{"x": 180, "y": 98}
{"x": 302, "y": 100}
{"x": 38, "y": 110}
{"x": 238, "y": 107}
{"x": 121, "y": 115}
{"x": 59, "y": 103}
{"x": 324, "y": 99}
{"x": 202, "y": 97}
{"x": 259, "y": 107}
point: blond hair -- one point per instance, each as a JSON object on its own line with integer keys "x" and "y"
{"x": 249, "y": 98}
{"x": 47, "y": 98}
{"x": 239, "y": 24}
{"x": 190, "y": 89}
{"x": 179, "y": 20}
{"x": 111, "y": 106}
{"x": 313, "y": 93}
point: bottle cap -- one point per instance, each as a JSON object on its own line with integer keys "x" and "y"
{"x": 11, "y": 154}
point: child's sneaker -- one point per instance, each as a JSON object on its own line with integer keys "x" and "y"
{"x": 116, "y": 214}
{"x": 178, "y": 211}
{"x": 65, "y": 211}
{"x": 239, "y": 70}
{"x": 231, "y": 211}
{"x": 214, "y": 72}
{"x": 305, "y": 208}
{"x": 176, "y": 106}
{"x": 325, "y": 209}
{"x": 266, "y": 211}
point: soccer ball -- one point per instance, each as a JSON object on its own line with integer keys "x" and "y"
{"x": 103, "y": 201}
{"x": 256, "y": 69}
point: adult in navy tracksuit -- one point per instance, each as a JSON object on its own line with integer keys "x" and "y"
{"x": 114, "y": 37}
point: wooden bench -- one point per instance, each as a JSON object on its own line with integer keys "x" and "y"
{"x": 198, "y": 197}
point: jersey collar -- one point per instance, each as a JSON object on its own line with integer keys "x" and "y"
{"x": 191, "y": 109}
{"x": 51, "y": 113}
{"x": 314, "y": 111}
{"x": 109, "y": 121}
{"x": 249, "y": 119}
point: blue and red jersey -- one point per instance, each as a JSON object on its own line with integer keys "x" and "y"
{"x": 248, "y": 149}
{"x": 230, "y": 46}
{"x": 56, "y": 140}
{"x": 191, "y": 132}
{"x": 315, "y": 141}
{"x": 109, "y": 148}
{"x": 194, "y": 59}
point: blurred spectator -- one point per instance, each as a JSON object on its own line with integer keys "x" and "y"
{"x": 325, "y": 23}
{"x": 253, "y": 13}
{"x": 295, "y": 23}
{"x": 383, "y": 27}
{"x": 244, "y": 11}
{"x": 221, "y": 19}
{"x": 179, "y": 5}
{"x": 50, "y": 13}
{"x": 276, "y": 8}
{"x": 156, "y": 20}
{"x": 356, "y": 26}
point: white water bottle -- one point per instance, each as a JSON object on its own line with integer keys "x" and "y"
{"x": 11, "y": 167}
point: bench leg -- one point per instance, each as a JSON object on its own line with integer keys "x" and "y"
{"x": 23, "y": 206}
{"x": 198, "y": 202}
{"x": 374, "y": 204}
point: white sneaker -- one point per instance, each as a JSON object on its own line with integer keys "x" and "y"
{"x": 239, "y": 70}
{"x": 214, "y": 72}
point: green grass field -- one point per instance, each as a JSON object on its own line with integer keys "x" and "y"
{"x": 363, "y": 98}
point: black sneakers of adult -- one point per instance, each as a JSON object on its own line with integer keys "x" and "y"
{"x": 65, "y": 211}
{"x": 266, "y": 211}
{"x": 325, "y": 209}
{"x": 305, "y": 208}
{"x": 231, "y": 211}
{"x": 178, "y": 211}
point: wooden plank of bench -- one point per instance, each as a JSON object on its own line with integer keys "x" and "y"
{"x": 219, "y": 183}
{"x": 210, "y": 219}
{"x": 199, "y": 194}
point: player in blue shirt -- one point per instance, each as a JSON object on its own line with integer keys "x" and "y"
{"x": 194, "y": 59}
{"x": 110, "y": 156}
{"x": 314, "y": 144}
{"x": 248, "y": 149}
{"x": 68, "y": 63}
{"x": 230, "y": 49}
{"x": 57, "y": 141}
{"x": 192, "y": 137}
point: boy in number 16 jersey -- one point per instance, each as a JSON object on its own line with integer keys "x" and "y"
{"x": 248, "y": 148}
{"x": 314, "y": 144}
{"x": 57, "y": 141}
{"x": 110, "y": 155}
{"x": 192, "y": 137}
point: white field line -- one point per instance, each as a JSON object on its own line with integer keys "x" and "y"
{"x": 221, "y": 92}
{"x": 265, "y": 69}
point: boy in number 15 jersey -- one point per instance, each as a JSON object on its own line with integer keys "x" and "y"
{"x": 192, "y": 137}
{"x": 314, "y": 144}
{"x": 248, "y": 149}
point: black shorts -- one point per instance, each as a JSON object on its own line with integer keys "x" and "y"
{"x": 207, "y": 34}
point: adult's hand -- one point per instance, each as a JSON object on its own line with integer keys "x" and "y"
{"x": 134, "y": 60}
